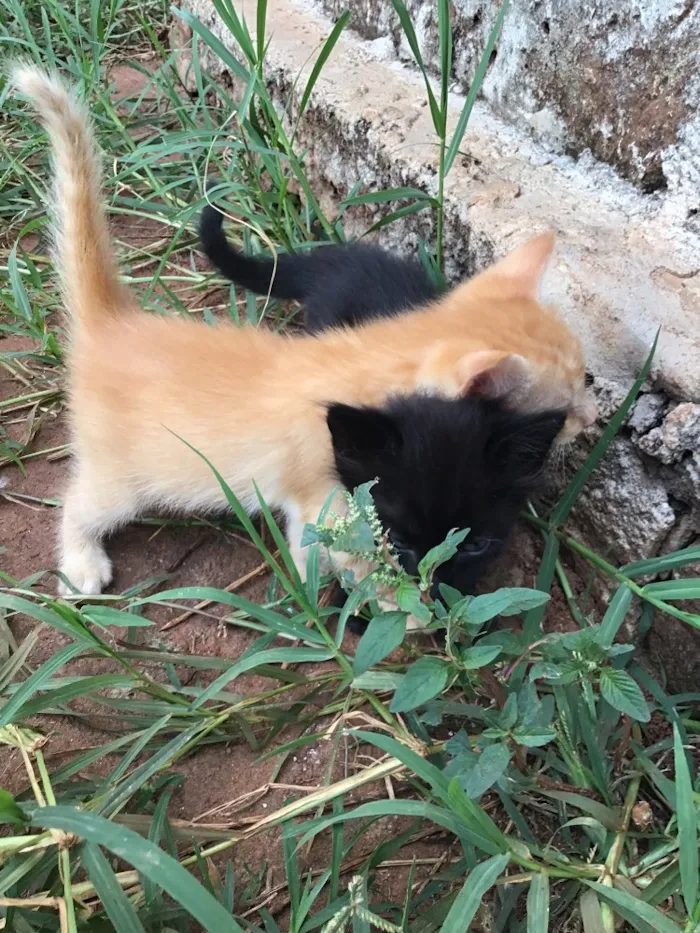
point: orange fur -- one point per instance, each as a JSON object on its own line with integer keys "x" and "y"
{"x": 252, "y": 401}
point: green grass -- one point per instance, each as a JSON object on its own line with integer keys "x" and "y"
{"x": 535, "y": 755}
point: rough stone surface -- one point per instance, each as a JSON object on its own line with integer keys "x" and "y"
{"x": 647, "y": 413}
{"x": 678, "y": 435}
{"x": 674, "y": 649}
{"x": 620, "y": 81}
{"x": 624, "y": 509}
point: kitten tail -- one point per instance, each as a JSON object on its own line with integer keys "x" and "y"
{"x": 82, "y": 248}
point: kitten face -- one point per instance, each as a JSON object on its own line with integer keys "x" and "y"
{"x": 444, "y": 464}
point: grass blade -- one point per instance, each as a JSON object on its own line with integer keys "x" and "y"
{"x": 591, "y": 914}
{"x": 260, "y": 24}
{"x": 615, "y": 615}
{"x": 688, "y": 588}
{"x": 410, "y": 33}
{"x": 35, "y": 683}
{"x": 147, "y": 858}
{"x": 249, "y": 662}
{"x": 386, "y": 194}
{"x": 641, "y": 916}
{"x": 475, "y": 87}
{"x": 538, "y": 904}
{"x": 583, "y": 474}
{"x": 469, "y": 899}
{"x": 655, "y": 565}
{"x": 533, "y": 618}
{"x": 687, "y": 818}
{"x": 323, "y": 56}
{"x": 115, "y": 902}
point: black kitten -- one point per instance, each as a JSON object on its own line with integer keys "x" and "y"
{"x": 443, "y": 464}
{"x": 342, "y": 284}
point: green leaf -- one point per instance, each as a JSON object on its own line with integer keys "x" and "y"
{"x": 533, "y": 736}
{"x": 509, "y": 714}
{"x": 479, "y": 656}
{"x": 532, "y": 627}
{"x": 10, "y": 812}
{"x": 538, "y": 904}
{"x": 687, "y": 819}
{"x": 357, "y": 539}
{"x": 377, "y": 680}
{"x": 507, "y": 601}
{"x": 489, "y": 768}
{"x": 159, "y": 867}
{"x": 384, "y": 633}
{"x": 408, "y": 598}
{"x": 423, "y": 680}
{"x": 623, "y": 694}
{"x": 117, "y": 905}
{"x": 468, "y": 901}
{"x": 216, "y": 45}
{"x": 642, "y": 916}
{"x": 561, "y": 511}
{"x": 442, "y": 552}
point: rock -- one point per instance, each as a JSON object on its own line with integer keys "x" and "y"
{"x": 674, "y": 651}
{"x": 647, "y": 412}
{"x": 624, "y": 508}
{"x": 678, "y": 434}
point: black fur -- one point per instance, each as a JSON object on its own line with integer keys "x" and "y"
{"x": 342, "y": 284}
{"x": 443, "y": 464}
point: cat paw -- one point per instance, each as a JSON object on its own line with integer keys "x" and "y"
{"x": 89, "y": 574}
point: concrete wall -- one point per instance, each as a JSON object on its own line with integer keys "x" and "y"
{"x": 627, "y": 263}
{"x": 621, "y": 80}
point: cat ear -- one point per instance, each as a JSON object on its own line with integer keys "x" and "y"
{"x": 360, "y": 433}
{"x": 524, "y": 268}
{"x": 523, "y": 444}
{"x": 494, "y": 374}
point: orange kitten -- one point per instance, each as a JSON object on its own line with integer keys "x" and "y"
{"x": 252, "y": 401}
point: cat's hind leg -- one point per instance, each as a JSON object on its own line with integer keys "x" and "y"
{"x": 92, "y": 508}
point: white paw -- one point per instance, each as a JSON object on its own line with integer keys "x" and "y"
{"x": 88, "y": 573}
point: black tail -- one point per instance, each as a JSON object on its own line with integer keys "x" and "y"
{"x": 258, "y": 274}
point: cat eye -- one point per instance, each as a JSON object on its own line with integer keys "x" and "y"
{"x": 474, "y": 546}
